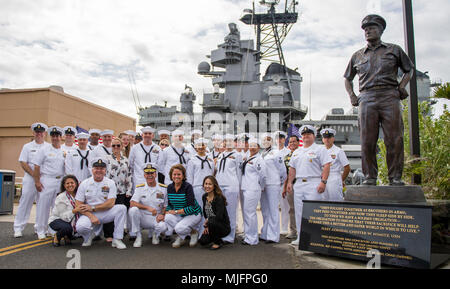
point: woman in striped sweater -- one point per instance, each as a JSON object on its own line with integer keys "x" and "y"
{"x": 183, "y": 213}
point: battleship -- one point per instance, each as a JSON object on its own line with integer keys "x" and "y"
{"x": 238, "y": 87}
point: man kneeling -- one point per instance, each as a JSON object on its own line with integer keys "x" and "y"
{"x": 96, "y": 197}
{"x": 148, "y": 207}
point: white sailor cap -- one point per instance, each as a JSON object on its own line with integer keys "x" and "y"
{"x": 217, "y": 137}
{"x": 94, "y": 130}
{"x": 147, "y": 129}
{"x": 130, "y": 132}
{"x": 82, "y": 135}
{"x": 106, "y": 132}
{"x": 328, "y": 132}
{"x": 306, "y": 128}
{"x": 196, "y": 131}
{"x": 253, "y": 140}
{"x": 201, "y": 141}
{"x": 55, "y": 130}
{"x": 265, "y": 135}
{"x": 163, "y": 131}
{"x": 39, "y": 127}
{"x": 279, "y": 134}
{"x": 178, "y": 132}
{"x": 229, "y": 137}
{"x": 69, "y": 130}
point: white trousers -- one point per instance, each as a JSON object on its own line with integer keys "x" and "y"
{"x": 284, "y": 207}
{"x": 232, "y": 200}
{"x": 28, "y": 197}
{"x": 117, "y": 214}
{"x": 250, "y": 203}
{"x": 144, "y": 220}
{"x": 333, "y": 191}
{"x": 304, "y": 191}
{"x": 198, "y": 193}
{"x": 270, "y": 198}
{"x": 182, "y": 226}
{"x": 46, "y": 202}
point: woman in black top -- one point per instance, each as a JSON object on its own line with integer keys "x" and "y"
{"x": 217, "y": 223}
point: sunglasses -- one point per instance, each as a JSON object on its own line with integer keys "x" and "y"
{"x": 163, "y": 145}
{"x": 116, "y": 145}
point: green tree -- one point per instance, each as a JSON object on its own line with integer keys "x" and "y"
{"x": 442, "y": 91}
{"x": 434, "y": 161}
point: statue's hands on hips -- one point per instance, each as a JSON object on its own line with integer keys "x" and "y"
{"x": 354, "y": 99}
{"x": 403, "y": 93}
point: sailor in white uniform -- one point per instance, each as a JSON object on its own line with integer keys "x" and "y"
{"x": 143, "y": 153}
{"x": 310, "y": 166}
{"x": 29, "y": 192}
{"x": 96, "y": 197}
{"x": 270, "y": 197}
{"x": 78, "y": 161}
{"x": 69, "y": 139}
{"x": 254, "y": 177}
{"x": 148, "y": 207}
{"x": 131, "y": 136}
{"x": 94, "y": 136}
{"x": 228, "y": 175}
{"x": 105, "y": 149}
{"x": 339, "y": 168}
{"x": 280, "y": 139}
{"x": 164, "y": 134}
{"x": 199, "y": 167}
{"x": 195, "y": 134}
{"x": 48, "y": 173}
{"x": 174, "y": 154}
{"x": 217, "y": 140}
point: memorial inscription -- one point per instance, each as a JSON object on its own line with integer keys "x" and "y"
{"x": 350, "y": 230}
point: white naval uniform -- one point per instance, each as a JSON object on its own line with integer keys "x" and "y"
{"x": 333, "y": 191}
{"x": 270, "y": 197}
{"x": 254, "y": 177}
{"x": 67, "y": 149}
{"x": 91, "y": 146}
{"x": 101, "y": 152}
{"x": 195, "y": 175}
{"x": 140, "y": 155}
{"x": 76, "y": 163}
{"x": 191, "y": 149}
{"x": 229, "y": 177}
{"x": 284, "y": 204}
{"x": 155, "y": 197}
{"x": 171, "y": 158}
{"x": 214, "y": 154}
{"x": 29, "y": 192}
{"x": 308, "y": 164}
{"x": 95, "y": 193}
{"x": 51, "y": 163}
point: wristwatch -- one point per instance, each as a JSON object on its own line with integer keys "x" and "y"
{"x": 93, "y": 208}
{"x": 324, "y": 181}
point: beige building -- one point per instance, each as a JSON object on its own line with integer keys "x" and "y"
{"x": 19, "y": 108}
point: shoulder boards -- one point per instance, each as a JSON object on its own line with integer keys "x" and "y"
{"x": 140, "y": 186}
{"x": 162, "y": 185}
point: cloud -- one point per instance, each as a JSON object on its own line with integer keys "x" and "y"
{"x": 88, "y": 47}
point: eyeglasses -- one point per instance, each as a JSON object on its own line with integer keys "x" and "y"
{"x": 116, "y": 145}
{"x": 163, "y": 145}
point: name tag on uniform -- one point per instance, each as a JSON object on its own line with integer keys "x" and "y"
{"x": 159, "y": 195}
{"x": 33, "y": 151}
{"x": 75, "y": 155}
{"x": 333, "y": 156}
{"x": 105, "y": 189}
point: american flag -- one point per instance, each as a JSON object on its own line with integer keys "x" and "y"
{"x": 293, "y": 130}
{"x": 80, "y": 129}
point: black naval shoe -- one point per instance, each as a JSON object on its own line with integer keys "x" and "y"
{"x": 132, "y": 238}
{"x": 244, "y": 243}
{"x": 269, "y": 242}
{"x": 227, "y": 243}
{"x": 370, "y": 182}
{"x": 396, "y": 182}
{"x": 97, "y": 238}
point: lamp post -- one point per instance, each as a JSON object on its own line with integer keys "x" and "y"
{"x": 413, "y": 116}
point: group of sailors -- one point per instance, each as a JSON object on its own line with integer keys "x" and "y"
{"x": 143, "y": 175}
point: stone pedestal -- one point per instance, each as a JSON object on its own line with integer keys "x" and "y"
{"x": 396, "y": 222}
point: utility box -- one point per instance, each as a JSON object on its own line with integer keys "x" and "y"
{"x": 7, "y": 189}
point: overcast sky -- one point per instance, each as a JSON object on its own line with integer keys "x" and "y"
{"x": 88, "y": 47}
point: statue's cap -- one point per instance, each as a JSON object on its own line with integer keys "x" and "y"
{"x": 373, "y": 19}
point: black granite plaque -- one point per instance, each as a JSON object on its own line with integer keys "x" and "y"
{"x": 401, "y": 233}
